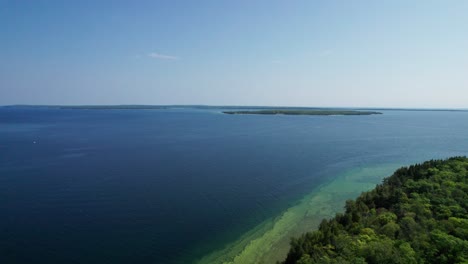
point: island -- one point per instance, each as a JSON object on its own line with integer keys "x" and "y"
{"x": 113, "y": 107}
{"x": 320, "y": 112}
{"x": 417, "y": 215}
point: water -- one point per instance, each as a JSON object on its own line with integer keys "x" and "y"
{"x": 169, "y": 186}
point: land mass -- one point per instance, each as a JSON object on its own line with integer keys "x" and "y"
{"x": 116, "y": 107}
{"x": 417, "y": 215}
{"x": 300, "y": 112}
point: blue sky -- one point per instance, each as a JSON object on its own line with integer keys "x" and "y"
{"x": 298, "y": 53}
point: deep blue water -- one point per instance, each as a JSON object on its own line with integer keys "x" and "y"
{"x": 168, "y": 186}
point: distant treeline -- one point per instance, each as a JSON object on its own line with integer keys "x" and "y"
{"x": 301, "y": 112}
{"x": 97, "y": 107}
{"x": 418, "y": 215}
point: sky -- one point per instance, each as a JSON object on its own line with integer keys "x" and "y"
{"x": 327, "y": 53}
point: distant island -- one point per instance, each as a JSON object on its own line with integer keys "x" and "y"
{"x": 418, "y": 215}
{"x": 301, "y": 112}
{"x": 111, "y": 107}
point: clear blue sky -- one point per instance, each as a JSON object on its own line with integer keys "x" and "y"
{"x": 307, "y": 53}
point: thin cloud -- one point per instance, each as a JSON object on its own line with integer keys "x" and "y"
{"x": 160, "y": 56}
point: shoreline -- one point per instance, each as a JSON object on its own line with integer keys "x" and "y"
{"x": 269, "y": 241}
{"x": 314, "y": 112}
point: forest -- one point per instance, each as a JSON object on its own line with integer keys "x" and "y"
{"x": 417, "y": 215}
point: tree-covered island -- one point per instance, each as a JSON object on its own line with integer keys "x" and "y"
{"x": 322, "y": 112}
{"x": 417, "y": 215}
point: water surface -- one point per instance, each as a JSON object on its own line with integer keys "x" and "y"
{"x": 170, "y": 186}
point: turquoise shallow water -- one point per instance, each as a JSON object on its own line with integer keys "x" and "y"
{"x": 170, "y": 186}
{"x": 269, "y": 241}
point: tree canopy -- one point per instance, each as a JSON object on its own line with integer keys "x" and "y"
{"x": 417, "y": 215}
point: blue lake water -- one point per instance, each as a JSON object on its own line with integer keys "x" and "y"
{"x": 169, "y": 186}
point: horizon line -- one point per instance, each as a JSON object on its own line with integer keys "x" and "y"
{"x": 233, "y": 106}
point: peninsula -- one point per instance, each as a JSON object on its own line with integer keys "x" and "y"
{"x": 418, "y": 215}
{"x": 321, "y": 112}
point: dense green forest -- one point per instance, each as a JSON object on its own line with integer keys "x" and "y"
{"x": 417, "y": 215}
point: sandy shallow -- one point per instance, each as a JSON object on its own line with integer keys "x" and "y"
{"x": 269, "y": 242}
